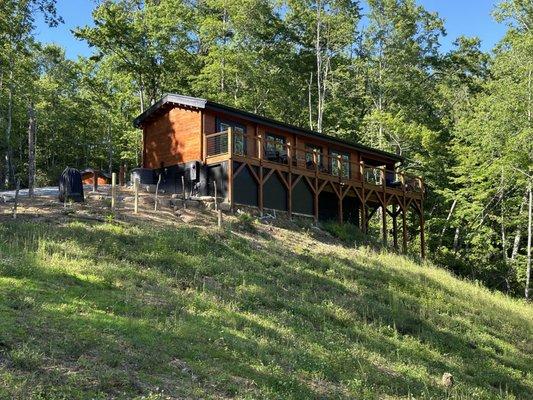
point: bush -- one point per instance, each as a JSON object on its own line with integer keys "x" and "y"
{"x": 245, "y": 222}
{"x": 348, "y": 233}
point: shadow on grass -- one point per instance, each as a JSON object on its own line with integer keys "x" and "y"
{"x": 115, "y": 309}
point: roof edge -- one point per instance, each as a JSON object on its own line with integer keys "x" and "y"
{"x": 171, "y": 98}
{"x": 196, "y": 102}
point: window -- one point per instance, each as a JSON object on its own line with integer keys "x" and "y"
{"x": 309, "y": 156}
{"x": 275, "y": 148}
{"x": 345, "y": 163}
{"x": 239, "y": 135}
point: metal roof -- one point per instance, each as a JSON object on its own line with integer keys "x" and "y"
{"x": 199, "y": 103}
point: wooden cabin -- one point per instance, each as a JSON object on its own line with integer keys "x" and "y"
{"x": 102, "y": 178}
{"x": 196, "y": 144}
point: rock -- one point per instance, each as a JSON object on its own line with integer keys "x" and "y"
{"x": 447, "y": 380}
{"x": 192, "y": 204}
{"x": 128, "y": 199}
{"x": 175, "y": 196}
{"x": 207, "y": 199}
{"x": 224, "y": 207}
{"x": 146, "y": 200}
{"x": 148, "y": 188}
{"x": 176, "y": 202}
{"x": 166, "y": 202}
{"x": 187, "y": 218}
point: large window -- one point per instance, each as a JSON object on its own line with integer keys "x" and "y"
{"x": 275, "y": 148}
{"x": 309, "y": 156}
{"x": 345, "y": 164}
{"x": 239, "y": 135}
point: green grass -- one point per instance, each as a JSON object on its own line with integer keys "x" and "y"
{"x": 99, "y": 310}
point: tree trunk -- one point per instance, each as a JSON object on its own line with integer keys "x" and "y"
{"x": 456, "y": 240}
{"x": 8, "y": 156}
{"x": 518, "y": 233}
{"x": 452, "y": 208}
{"x": 31, "y": 149}
{"x": 319, "y": 61}
{"x": 528, "y": 271}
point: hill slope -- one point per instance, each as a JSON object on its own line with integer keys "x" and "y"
{"x": 144, "y": 309}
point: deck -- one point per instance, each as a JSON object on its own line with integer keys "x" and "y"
{"x": 375, "y": 187}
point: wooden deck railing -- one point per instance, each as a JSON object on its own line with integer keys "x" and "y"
{"x": 271, "y": 151}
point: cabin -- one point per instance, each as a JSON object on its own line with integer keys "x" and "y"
{"x": 88, "y": 175}
{"x": 202, "y": 147}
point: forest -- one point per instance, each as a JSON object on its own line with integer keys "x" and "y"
{"x": 371, "y": 71}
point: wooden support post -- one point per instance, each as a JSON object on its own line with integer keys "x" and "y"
{"x": 136, "y": 185}
{"x": 363, "y": 197}
{"x": 183, "y": 188}
{"x": 16, "y": 202}
{"x": 422, "y": 233}
{"x": 315, "y": 161}
{"x": 157, "y": 191}
{"x": 395, "y": 227}
{"x": 95, "y": 180}
{"x": 216, "y": 195}
{"x": 204, "y": 146}
{"x": 219, "y": 218}
{"x": 289, "y": 189}
{"x": 404, "y": 230}
{"x": 384, "y": 223}
{"x": 260, "y": 156}
{"x": 113, "y": 190}
{"x": 230, "y": 167}
{"x": 341, "y": 216}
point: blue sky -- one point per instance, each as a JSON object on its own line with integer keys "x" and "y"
{"x": 462, "y": 17}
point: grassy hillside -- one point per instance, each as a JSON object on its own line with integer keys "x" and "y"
{"x": 140, "y": 309}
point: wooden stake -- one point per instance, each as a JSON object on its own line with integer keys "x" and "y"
{"x": 157, "y": 192}
{"x": 219, "y": 218}
{"x": 113, "y": 189}
{"x": 136, "y": 191}
{"x": 95, "y": 180}
{"x": 216, "y": 195}
{"x": 16, "y": 199}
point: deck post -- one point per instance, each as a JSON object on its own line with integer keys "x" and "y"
{"x": 384, "y": 222}
{"x": 204, "y": 147}
{"x": 404, "y": 216}
{"x": 363, "y": 202}
{"x": 384, "y": 206}
{"x": 260, "y": 156}
{"x": 289, "y": 189}
{"x": 404, "y": 230}
{"x": 230, "y": 168}
{"x": 422, "y": 220}
{"x": 395, "y": 227}
{"x": 315, "y": 161}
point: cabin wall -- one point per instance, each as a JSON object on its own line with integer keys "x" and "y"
{"x": 173, "y": 138}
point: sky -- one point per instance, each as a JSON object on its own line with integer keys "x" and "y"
{"x": 461, "y": 17}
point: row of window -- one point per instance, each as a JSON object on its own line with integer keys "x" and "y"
{"x": 276, "y": 150}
